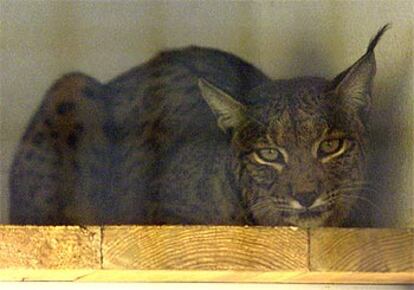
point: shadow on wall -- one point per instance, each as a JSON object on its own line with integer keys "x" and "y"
{"x": 392, "y": 147}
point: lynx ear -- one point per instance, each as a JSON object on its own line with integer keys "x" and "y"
{"x": 229, "y": 113}
{"x": 354, "y": 85}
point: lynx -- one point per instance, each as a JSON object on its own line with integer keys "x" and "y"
{"x": 198, "y": 136}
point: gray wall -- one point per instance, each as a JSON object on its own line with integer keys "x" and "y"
{"x": 40, "y": 40}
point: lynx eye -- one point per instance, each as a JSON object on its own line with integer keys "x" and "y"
{"x": 270, "y": 155}
{"x": 331, "y": 147}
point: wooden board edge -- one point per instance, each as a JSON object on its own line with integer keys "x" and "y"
{"x": 46, "y": 275}
{"x": 163, "y": 276}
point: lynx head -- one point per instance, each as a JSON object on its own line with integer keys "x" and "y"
{"x": 299, "y": 145}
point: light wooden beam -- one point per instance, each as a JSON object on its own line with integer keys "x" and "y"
{"x": 206, "y": 254}
{"x": 362, "y": 250}
{"x": 205, "y": 248}
{"x": 48, "y": 253}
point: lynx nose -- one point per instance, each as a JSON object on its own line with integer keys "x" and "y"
{"x": 306, "y": 199}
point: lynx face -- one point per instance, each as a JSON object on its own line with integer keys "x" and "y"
{"x": 300, "y": 144}
{"x": 300, "y": 154}
{"x": 300, "y": 157}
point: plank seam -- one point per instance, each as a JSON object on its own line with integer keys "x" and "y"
{"x": 308, "y": 233}
{"x": 101, "y": 257}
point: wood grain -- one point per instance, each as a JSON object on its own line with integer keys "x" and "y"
{"x": 362, "y": 250}
{"x": 205, "y": 248}
{"x": 32, "y": 247}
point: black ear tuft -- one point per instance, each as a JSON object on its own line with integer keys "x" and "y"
{"x": 354, "y": 85}
{"x": 370, "y": 50}
{"x": 377, "y": 37}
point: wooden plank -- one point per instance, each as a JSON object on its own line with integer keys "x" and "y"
{"x": 205, "y": 248}
{"x": 362, "y": 250}
{"x": 33, "y": 247}
{"x": 206, "y": 254}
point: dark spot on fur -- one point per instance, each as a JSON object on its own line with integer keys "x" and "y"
{"x": 57, "y": 163}
{"x": 191, "y": 90}
{"x": 39, "y": 175}
{"x": 33, "y": 192}
{"x": 26, "y": 135}
{"x": 41, "y": 158}
{"x": 111, "y": 131}
{"x": 109, "y": 91}
{"x": 38, "y": 139}
{"x": 233, "y": 217}
{"x": 157, "y": 73}
{"x": 179, "y": 77}
{"x": 89, "y": 93}
{"x": 75, "y": 165}
{"x": 152, "y": 90}
{"x": 72, "y": 140}
{"x": 29, "y": 155}
{"x": 29, "y": 173}
{"x": 96, "y": 151}
{"x": 65, "y": 107}
{"x": 47, "y": 123}
{"x": 54, "y": 135}
{"x": 49, "y": 199}
{"x": 93, "y": 170}
{"x": 53, "y": 176}
{"x": 79, "y": 128}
